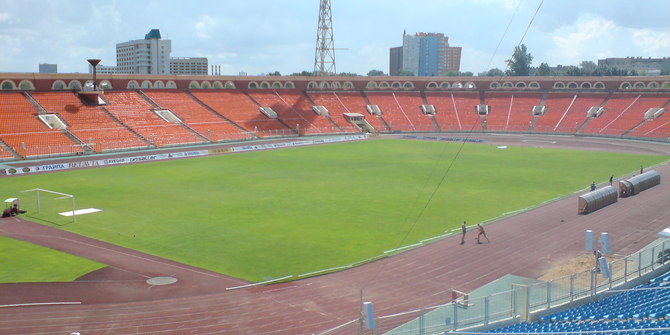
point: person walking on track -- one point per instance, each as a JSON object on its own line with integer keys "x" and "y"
{"x": 481, "y": 233}
{"x": 464, "y": 229}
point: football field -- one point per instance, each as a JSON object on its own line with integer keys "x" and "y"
{"x": 269, "y": 214}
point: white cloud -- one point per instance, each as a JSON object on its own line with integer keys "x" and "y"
{"x": 204, "y": 25}
{"x": 652, "y": 43}
{"x": 589, "y": 38}
{"x": 576, "y": 40}
{"x": 5, "y": 18}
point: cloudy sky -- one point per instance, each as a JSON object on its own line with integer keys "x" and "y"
{"x": 261, "y": 36}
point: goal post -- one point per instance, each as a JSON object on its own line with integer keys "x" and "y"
{"x": 47, "y": 208}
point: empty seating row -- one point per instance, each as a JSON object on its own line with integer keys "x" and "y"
{"x": 131, "y": 109}
{"x": 645, "y": 307}
{"x": 197, "y": 117}
{"x": 238, "y": 108}
{"x": 90, "y": 124}
{"x": 129, "y": 121}
{"x": 26, "y": 134}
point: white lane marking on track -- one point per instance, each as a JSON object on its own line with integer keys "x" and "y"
{"x": 541, "y": 141}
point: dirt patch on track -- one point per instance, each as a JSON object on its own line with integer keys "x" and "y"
{"x": 581, "y": 263}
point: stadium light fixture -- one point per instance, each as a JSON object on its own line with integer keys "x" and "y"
{"x": 94, "y": 63}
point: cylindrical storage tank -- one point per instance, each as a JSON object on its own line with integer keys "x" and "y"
{"x": 644, "y": 181}
{"x": 593, "y": 201}
{"x": 625, "y": 188}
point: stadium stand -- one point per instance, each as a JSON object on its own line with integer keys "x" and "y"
{"x": 615, "y": 108}
{"x": 662, "y": 129}
{"x": 510, "y": 111}
{"x": 131, "y": 109}
{"x": 206, "y": 123}
{"x": 356, "y": 103}
{"x": 392, "y": 112}
{"x": 657, "y": 128}
{"x": 500, "y": 106}
{"x": 577, "y": 114}
{"x": 288, "y": 115}
{"x": 445, "y": 113}
{"x": 4, "y": 154}
{"x": 300, "y": 103}
{"x": 134, "y": 119}
{"x": 653, "y": 127}
{"x": 557, "y": 104}
{"x": 238, "y": 108}
{"x": 464, "y": 105}
{"x": 410, "y": 103}
{"x": 22, "y": 130}
{"x": 646, "y": 307}
{"x": 623, "y": 112}
{"x": 337, "y": 109}
{"x": 89, "y": 124}
{"x": 521, "y": 116}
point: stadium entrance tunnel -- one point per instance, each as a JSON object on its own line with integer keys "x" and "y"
{"x": 595, "y": 200}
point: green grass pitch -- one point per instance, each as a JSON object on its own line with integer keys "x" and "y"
{"x": 264, "y": 215}
{"x": 24, "y": 262}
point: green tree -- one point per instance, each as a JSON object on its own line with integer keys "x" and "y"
{"x": 405, "y": 73}
{"x": 519, "y": 64}
{"x": 543, "y": 70}
{"x": 303, "y": 74}
{"x": 496, "y": 72}
{"x": 588, "y": 67}
{"x": 347, "y": 74}
{"x": 572, "y": 71}
{"x": 276, "y": 73}
{"x": 374, "y": 73}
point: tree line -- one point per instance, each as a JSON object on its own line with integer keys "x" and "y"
{"x": 518, "y": 65}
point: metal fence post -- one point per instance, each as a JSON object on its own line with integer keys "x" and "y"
{"x": 625, "y": 269}
{"x": 455, "y": 308}
{"x": 572, "y": 287}
{"x": 486, "y": 310}
{"x": 421, "y": 323}
{"x": 549, "y": 294}
{"x": 653, "y": 252}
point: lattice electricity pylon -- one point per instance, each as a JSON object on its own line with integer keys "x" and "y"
{"x": 324, "y": 57}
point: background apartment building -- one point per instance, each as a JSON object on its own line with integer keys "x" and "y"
{"x": 151, "y": 55}
{"x": 425, "y": 54}
{"x": 647, "y": 66}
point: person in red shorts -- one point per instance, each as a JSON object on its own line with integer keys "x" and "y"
{"x": 481, "y": 233}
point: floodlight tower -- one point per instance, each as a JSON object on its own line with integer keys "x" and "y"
{"x": 324, "y": 57}
{"x": 94, "y": 63}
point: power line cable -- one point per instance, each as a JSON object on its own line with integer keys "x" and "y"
{"x": 456, "y": 156}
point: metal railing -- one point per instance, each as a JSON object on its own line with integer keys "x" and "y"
{"x": 524, "y": 300}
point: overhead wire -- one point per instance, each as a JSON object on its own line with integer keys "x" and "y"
{"x": 456, "y": 155}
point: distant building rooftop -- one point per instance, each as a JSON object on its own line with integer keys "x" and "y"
{"x": 153, "y": 33}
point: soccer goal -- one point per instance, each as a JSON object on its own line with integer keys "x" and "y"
{"x": 51, "y": 206}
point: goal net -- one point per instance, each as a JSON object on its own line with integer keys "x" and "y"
{"x": 50, "y": 206}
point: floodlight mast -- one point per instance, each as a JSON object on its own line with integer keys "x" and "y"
{"x": 94, "y": 63}
{"x": 324, "y": 56}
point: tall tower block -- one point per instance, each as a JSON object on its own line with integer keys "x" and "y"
{"x": 324, "y": 56}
